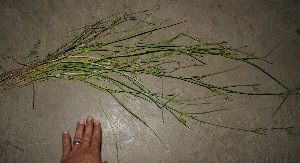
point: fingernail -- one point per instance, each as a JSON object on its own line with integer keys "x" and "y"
{"x": 97, "y": 122}
{"x": 81, "y": 121}
{"x": 65, "y": 132}
{"x": 89, "y": 118}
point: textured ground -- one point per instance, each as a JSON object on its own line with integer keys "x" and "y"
{"x": 28, "y": 135}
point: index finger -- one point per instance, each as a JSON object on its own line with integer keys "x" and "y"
{"x": 97, "y": 136}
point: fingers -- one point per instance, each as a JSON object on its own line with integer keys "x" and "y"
{"x": 89, "y": 135}
{"x": 79, "y": 133}
{"x": 66, "y": 143}
{"x": 88, "y": 132}
{"x": 97, "y": 136}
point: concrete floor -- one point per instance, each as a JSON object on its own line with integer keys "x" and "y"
{"x": 28, "y": 135}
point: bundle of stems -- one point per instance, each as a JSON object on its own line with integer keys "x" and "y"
{"x": 106, "y": 56}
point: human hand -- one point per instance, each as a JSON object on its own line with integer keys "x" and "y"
{"x": 86, "y": 144}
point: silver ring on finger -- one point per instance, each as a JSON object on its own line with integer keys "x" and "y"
{"x": 77, "y": 142}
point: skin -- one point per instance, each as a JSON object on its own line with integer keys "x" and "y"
{"x": 89, "y": 133}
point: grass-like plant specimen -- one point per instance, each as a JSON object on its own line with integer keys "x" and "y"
{"x": 110, "y": 54}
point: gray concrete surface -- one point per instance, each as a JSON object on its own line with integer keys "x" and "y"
{"x": 28, "y": 135}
